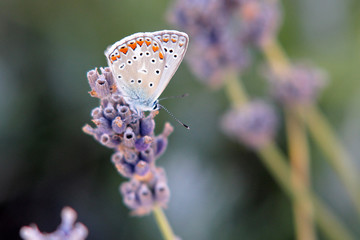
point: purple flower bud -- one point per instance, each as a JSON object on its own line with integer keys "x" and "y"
{"x": 103, "y": 125}
{"x": 125, "y": 169}
{"x": 301, "y": 85}
{"x": 134, "y": 124}
{"x": 147, "y": 126}
{"x": 92, "y": 76}
{"x": 160, "y": 146}
{"x": 253, "y": 124}
{"x": 68, "y": 228}
{"x": 124, "y": 111}
{"x": 143, "y": 143}
{"x": 102, "y": 87}
{"x": 130, "y": 156}
{"x": 110, "y": 112}
{"x": 145, "y": 196}
{"x": 147, "y": 155}
{"x": 117, "y": 99}
{"x": 118, "y": 125}
{"x": 162, "y": 192}
{"x": 142, "y": 168}
{"x": 117, "y": 157}
{"x": 97, "y": 113}
{"x": 108, "y": 75}
{"x": 129, "y": 138}
{"x": 108, "y": 141}
{"x": 130, "y": 200}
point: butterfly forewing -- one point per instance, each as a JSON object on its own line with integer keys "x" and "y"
{"x": 174, "y": 44}
{"x": 137, "y": 63}
{"x": 144, "y": 63}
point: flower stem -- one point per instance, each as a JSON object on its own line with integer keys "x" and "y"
{"x": 321, "y": 130}
{"x": 280, "y": 170}
{"x": 163, "y": 224}
{"x": 277, "y": 166}
{"x": 324, "y": 135}
{"x": 299, "y": 163}
{"x": 235, "y": 90}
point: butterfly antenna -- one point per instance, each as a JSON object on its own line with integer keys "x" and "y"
{"x": 161, "y": 106}
{"x": 179, "y": 96}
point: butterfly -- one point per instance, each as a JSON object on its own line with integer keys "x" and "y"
{"x": 144, "y": 63}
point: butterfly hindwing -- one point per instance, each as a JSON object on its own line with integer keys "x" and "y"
{"x": 175, "y": 44}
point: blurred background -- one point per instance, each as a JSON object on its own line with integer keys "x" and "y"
{"x": 220, "y": 190}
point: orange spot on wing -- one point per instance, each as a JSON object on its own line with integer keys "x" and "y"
{"x": 165, "y": 39}
{"x": 181, "y": 44}
{"x": 140, "y": 43}
{"x": 132, "y": 45}
{"x": 161, "y": 56}
{"x": 147, "y": 43}
{"x": 155, "y": 48}
{"x": 173, "y": 40}
{"x": 113, "y": 58}
{"x": 123, "y": 50}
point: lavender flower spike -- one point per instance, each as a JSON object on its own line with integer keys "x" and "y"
{"x": 68, "y": 229}
{"x": 131, "y": 135}
{"x": 253, "y": 124}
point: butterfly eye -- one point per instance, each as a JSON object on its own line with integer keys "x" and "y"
{"x": 155, "y": 106}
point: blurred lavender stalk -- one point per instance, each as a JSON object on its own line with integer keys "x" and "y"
{"x": 136, "y": 148}
{"x": 69, "y": 229}
{"x": 223, "y": 33}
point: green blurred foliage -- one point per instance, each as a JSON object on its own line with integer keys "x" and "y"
{"x": 219, "y": 189}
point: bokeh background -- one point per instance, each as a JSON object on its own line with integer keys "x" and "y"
{"x": 220, "y": 190}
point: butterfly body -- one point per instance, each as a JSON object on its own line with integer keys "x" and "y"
{"x": 144, "y": 63}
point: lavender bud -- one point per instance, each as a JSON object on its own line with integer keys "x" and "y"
{"x": 96, "y": 113}
{"x": 102, "y": 87}
{"x": 162, "y": 192}
{"x": 130, "y": 156}
{"x": 117, "y": 157}
{"x": 253, "y": 124}
{"x": 129, "y": 138}
{"x": 110, "y": 112}
{"x": 124, "y": 168}
{"x": 68, "y": 229}
{"x": 160, "y": 145}
{"x": 108, "y": 75}
{"x": 130, "y": 200}
{"x": 103, "y": 125}
{"x": 147, "y": 126}
{"x": 118, "y": 125}
{"x": 108, "y": 141}
{"x": 117, "y": 99}
{"x": 124, "y": 111}
{"x": 142, "y": 168}
{"x": 134, "y": 124}
{"x": 143, "y": 143}
{"x": 301, "y": 85}
{"x": 147, "y": 155}
{"x": 145, "y": 196}
{"x": 92, "y": 76}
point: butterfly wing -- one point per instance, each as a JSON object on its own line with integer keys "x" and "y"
{"x": 174, "y": 45}
{"x": 138, "y": 64}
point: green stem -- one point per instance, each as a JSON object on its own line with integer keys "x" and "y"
{"x": 327, "y": 221}
{"x": 320, "y": 130}
{"x": 324, "y": 135}
{"x": 280, "y": 170}
{"x": 235, "y": 90}
{"x": 299, "y": 163}
{"x": 163, "y": 223}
